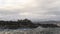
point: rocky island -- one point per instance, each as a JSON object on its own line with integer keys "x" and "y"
{"x": 23, "y": 24}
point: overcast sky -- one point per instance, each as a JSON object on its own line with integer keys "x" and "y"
{"x": 31, "y": 9}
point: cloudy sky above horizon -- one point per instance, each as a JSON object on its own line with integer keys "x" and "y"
{"x": 31, "y": 9}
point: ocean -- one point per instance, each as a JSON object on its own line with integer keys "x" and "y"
{"x": 38, "y": 30}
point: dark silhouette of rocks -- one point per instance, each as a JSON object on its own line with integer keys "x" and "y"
{"x": 17, "y": 24}
{"x": 23, "y": 24}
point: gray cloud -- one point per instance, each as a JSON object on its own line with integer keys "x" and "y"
{"x": 45, "y": 9}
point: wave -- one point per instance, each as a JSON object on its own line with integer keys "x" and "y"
{"x": 38, "y": 30}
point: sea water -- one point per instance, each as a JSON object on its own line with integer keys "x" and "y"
{"x": 31, "y": 31}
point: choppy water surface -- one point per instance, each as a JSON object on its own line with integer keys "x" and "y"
{"x": 38, "y": 30}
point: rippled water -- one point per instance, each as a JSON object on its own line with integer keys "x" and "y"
{"x": 38, "y": 30}
{"x": 51, "y": 31}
